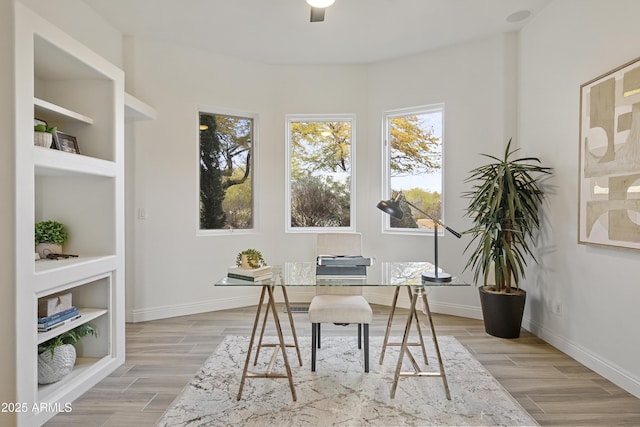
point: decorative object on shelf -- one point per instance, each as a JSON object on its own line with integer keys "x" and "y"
{"x": 61, "y": 256}
{"x": 250, "y": 259}
{"x": 43, "y": 134}
{"x": 54, "y": 304}
{"x": 504, "y": 204}
{"x": 609, "y": 159}
{"x": 57, "y": 356}
{"x": 393, "y": 208}
{"x": 66, "y": 143}
{"x": 49, "y": 237}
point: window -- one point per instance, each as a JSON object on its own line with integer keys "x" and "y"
{"x": 226, "y": 171}
{"x": 413, "y": 165}
{"x": 320, "y": 172}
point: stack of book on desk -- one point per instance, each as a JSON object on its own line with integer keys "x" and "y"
{"x": 254, "y": 275}
{"x": 333, "y": 266}
{"x": 55, "y": 320}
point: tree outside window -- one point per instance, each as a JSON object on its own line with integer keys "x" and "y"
{"x": 320, "y": 172}
{"x": 413, "y": 159}
{"x": 226, "y": 171}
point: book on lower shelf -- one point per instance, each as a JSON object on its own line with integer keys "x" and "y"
{"x": 58, "y": 319}
{"x": 58, "y": 324}
{"x": 253, "y": 275}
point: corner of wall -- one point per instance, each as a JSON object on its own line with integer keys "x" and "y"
{"x": 510, "y": 86}
{"x": 7, "y": 213}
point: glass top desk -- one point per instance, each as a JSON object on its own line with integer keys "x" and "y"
{"x": 385, "y": 274}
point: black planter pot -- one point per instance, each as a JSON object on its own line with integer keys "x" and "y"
{"x": 502, "y": 312}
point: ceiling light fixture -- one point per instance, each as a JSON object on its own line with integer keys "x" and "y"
{"x": 320, "y": 3}
{"x": 518, "y": 16}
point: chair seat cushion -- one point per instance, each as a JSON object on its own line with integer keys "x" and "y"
{"x": 340, "y": 309}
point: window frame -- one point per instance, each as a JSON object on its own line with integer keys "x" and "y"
{"x": 289, "y": 118}
{"x": 206, "y": 109}
{"x": 386, "y": 162}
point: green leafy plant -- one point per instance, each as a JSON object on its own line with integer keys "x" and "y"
{"x": 504, "y": 205}
{"x": 50, "y": 232}
{"x": 253, "y": 256}
{"x": 45, "y": 128}
{"x": 70, "y": 337}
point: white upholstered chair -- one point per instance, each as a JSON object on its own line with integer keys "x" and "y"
{"x": 341, "y": 305}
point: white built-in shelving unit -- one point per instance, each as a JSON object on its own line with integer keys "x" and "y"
{"x": 61, "y": 81}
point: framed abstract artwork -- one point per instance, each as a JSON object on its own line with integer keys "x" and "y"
{"x": 609, "y": 194}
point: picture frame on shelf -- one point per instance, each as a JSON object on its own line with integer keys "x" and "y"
{"x": 609, "y": 166}
{"x": 67, "y": 143}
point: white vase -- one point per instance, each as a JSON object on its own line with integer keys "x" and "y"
{"x": 45, "y": 249}
{"x": 53, "y": 369}
{"x": 42, "y": 139}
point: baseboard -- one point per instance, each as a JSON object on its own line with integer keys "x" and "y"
{"x": 610, "y": 371}
{"x": 295, "y": 295}
{"x": 155, "y": 313}
{"x": 383, "y": 298}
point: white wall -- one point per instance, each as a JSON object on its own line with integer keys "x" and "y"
{"x": 82, "y": 23}
{"x": 7, "y": 215}
{"x": 175, "y": 268}
{"x": 568, "y": 44}
{"x": 475, "y": 82}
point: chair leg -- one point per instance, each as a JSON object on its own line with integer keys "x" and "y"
{"x": 359, "y": 336}
{"x": 314, "y": 337}
{"x": 366, "y": 347}
{"x": 318, "y": 337}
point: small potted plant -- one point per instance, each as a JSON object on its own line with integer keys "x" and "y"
{"x": 49, "y": 237}
{"x": 57, "y": 356}
{"x": 250, "y": 259}
{"x": 43, "y": 135}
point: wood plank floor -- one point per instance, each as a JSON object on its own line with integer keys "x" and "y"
{"x": 163, "y": 355}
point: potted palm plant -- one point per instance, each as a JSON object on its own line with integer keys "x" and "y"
{"x": 57, "y": 356}
{"x": 504, "y": 205}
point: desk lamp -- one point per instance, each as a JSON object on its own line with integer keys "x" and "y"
{"x": 392, "y": 207}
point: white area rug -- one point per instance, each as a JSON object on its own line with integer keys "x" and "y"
{"x": 339, "y": 393}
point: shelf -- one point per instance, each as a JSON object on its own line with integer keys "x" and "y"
{"x": 49, "y": 265}
{"x": 86, "y": 315}
{"x": 59, "y": 275}
{"x": 49, "y": 162}
{"x": 84, "y": 367}
{"x": 71, "y": 87}
{"x": 137, "y": 110}
{"x": 49, "y": 109}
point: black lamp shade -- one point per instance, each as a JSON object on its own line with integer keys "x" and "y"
{"x": 391, "y": 207}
